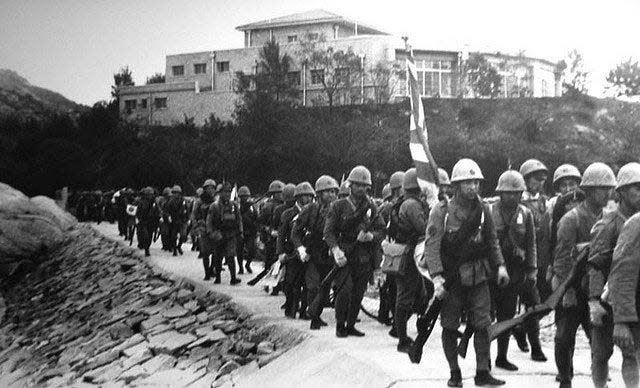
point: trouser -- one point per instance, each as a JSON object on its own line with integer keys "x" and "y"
{"x": 206, "y": 249}
{"x": 247, "y": 250}
{"x": 349, "y": 286}
{"x": 177, "y": 235}
{"x": 505, "y": 302}
{"x": 144, "y": 232}
{"x": 164, "y": 235}
{"x": 411, "y": 297}
{"x": 601, "y": 351}
{"x": 293, "y": 282}
{"x": 567, "y": 321}
{"x": 387, "y": 299}
{"x": 314, "y": 275}
{"x": 122, "y": 226}
{"x": 226, "y": 249}
{"x": 131, "y": 227}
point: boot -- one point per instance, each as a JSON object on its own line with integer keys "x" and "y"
{"x": 235, "y": 281}
{"x": 146, "y": 252}
{"x": 503, "y": 348}
{"x": 404, "y": 345}
{"x": 521, "y": 340}
{"x": 502, "y": 362}
{"x": 247, "y": 266}
{"x": 352, "y": 331}
{"x": 534, "y": 339}
{"x": 401, "y": 318}
{"x": 483, "y": 377}
{"x": 315, "y": 324}
{"x": 217, "y": 280}
{"x": 456, "y": 379}
{"x": 175, "y": 251}
{"x": 180, "y": 250}
{"x": 341, "y": 331}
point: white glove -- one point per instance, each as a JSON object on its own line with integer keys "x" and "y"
{"x": 274, "y": 233}
{"x": 596, "y": 312}
{"x": 338, "y": 256}
{"x": 438, "y": 286}
{"x": 282, "y": 258}
{"x": 302, "y": 252}
{"x": 365, "y": 236}
{"x": 503, "y": 276}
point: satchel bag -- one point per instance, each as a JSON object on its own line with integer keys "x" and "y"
{"x": 393, "y": 255}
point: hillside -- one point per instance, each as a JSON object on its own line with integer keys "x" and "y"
{"x": 18, "y": 96}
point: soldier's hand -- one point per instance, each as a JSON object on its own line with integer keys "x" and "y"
{"x": 596, "y": 312}
{"x": 365, "y": 236}
{"x": 531, "y": 279}
{"x": 438, "y": 286}
{"x": 622, "y": 336}
{"x": 274, "y": 233}
{"x": 338, "y": 256}
{"x": 302, "y": 252}
{"x": 282, "y": 258}
{"x": 503, "y": 276}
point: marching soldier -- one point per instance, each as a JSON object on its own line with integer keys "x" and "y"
{"x": 199, "y": 222}
{"x": 267, "y": 234}
{"x": 574, "y": 228}
{"x": 353, "y": 232}
{"x": 194, "y": 233}
{"x": 177, "y": 215}
{"x": 164, "y": 218}
{"x": 605, "y": 235}
{"x": 247, "y": 249}
{"x": 289, "y": 200}
{"x": 344, "y": 190}
{"x": 224, "y": 226}
{"x": 517, "y": 236}
{"x": 147, "y": 217}
{"x": 462, "y": 247}
{"x": 306, "y": 235}
{"x": 444, "y": 192}
{"x": 566, "y": 178}
{"x": 295, "y": 265}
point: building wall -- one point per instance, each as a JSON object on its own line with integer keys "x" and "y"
{"x": 330, "y": 31}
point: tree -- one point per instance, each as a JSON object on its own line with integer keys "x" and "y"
{"x": 518, "y": 77}
{"x": 481, "y": 77}
{"x": 385, "y": 75}
{"x": 121, "y": 78}
{"x": 157, "y": 78}
{"x": 575, "y": 77}
{"x": 625, "y": 79}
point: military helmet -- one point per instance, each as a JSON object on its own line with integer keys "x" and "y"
{"x": 511, "y": 180}
{"x": 275, "y": 187}
{"x": 209, "y": 182}
{"x": 243, "y": 191}
{"x": 410, "y": 179}
{"x": 289, "y": 192}
{"x": 147, "y": 191}
{"x": 344, "y": 189}
{"x": 176, "y": 189}
{"x": 386, "y": 191}
{"x": 199, "y": 191}
{"x": 166, "y": 191}
{"x": 566, "y": 171}
{"x": 598, "y": 175}
{"x": 629, "y": 174}
{"x": 531, "y": 166}
{"x": 395, "y": 181}
{"x": 360, "y": 174}
{"x": 225, "y": 186}
{"x": 466, "y": 169}
{"x": 325, "y": 182}
{"x": 303, "y": 188}
{"x": 443, "y": 176}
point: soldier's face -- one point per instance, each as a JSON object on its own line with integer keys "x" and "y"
{"x": 510, "y": 198}
{"x": 535, "y": 183}
{"x": 600, "y": 195}
{"x": 243, "y": 199}
{"x": 631, "y": 196}
{"x": 469, "y": 189}
{"x": 328, "y": 196}
{"x": 225, "y": 195}
{"x": 211, "y": 190}
{"x": 566, "y": 185}
{"x": 304, "y": 199}
{"x": 359, "y": 190}
{"x": 277, "y": 196}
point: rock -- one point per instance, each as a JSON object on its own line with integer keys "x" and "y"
{"x": 243, "y": 348}
{"x": 152, "y": 322}
{"x": 136, "y": 359}
{"x": 202, "y": 317}
{"x": 265, "y": 347}
{"x": 192, "y": 306}
{"x": 161, "y": 292}
{"x": 159, "y": 362}
{"x": 184, "y": 295}
{"x": 208, "y": 337}
{"x": 214, "y": 363}
{"x": 102, "y": 359}
{"x": 169, "y": 378}
{"x": 133, "y": 373}
{"x": 131, "y": 341}
{"x": 228, "y": 368}
{"x": 120, "y": 330}
{"x": 49, "y": 208}
{"x": 184, "y": 322}
{"x": 175, "y": 312}
{"x": 245, "y": 370}
{"x": 136, "y": 349}
{"x": 3, "y": 309}
{"x": 170, "y": 341}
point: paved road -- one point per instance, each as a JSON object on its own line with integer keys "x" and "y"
{"x": 372, "y": 361}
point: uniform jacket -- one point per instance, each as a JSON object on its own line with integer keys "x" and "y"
{"x": 412, "y": 221}
{"x": 249, "y": 219}
{"x": 276, "y": 219}
{"x": 201, "y": 210}
{"x": 517, "y": 237}
{"x": 224, "y": 217}
{"x": 307, "y": 231}
{"x": 176, "y": 208}
{"x": 266, "y": 212}
{"x": 284, "y": 244}
{"x": 574, "y": 228}
{"x": 605, "y": 234}
{"x": 624, "y": 287}
{"x": 538, "y": 204}
{"x": 385, "y": 210}
{"x": 148, "y": 212}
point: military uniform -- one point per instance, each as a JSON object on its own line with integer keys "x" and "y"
{"x": 247, "y": 249}
{"x": 177, "y": 213}
{"x": 276, "y": 220}
{"x": 269, "y": 234}
{"x": 199, "y": 222}
{"x": 148, "y": 217}
{"x": 388, "y": 289}
{"x": 538, "y": 206}
{"x": 164, "y": 224}
{"x": 295, "y": 268}
{"x": 224, "y": 226}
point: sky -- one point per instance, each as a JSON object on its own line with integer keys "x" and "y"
{"x": 74, "y": 46}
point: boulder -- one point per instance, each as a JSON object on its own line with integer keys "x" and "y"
{"x": 49, "y": 208}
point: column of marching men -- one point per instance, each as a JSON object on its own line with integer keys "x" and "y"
{"x": 483, "y": 257}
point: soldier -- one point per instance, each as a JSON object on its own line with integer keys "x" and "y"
{"x": 353, "y": 231}
{"x": 194, "y": 233}
{"x": 285, "y": 249}
{"x": 288, "y": 196}
{"x": 445, "y": 185}
{"x": 147, "y": 216}
{"x": 267, "y": 234}
{"x": 164, "y": 218}
{"x": 224, "y": 225}
{"x": 566, "y": 178}
{"x": 623, "y": 284}
{"x": 388, "y": 286}
{"x": 177, "y": 214}
{"x": 247, "y": 249}
{"x": 574, "y": 228}
{"x": 604, "y": 237}
{"x": 517, "y": 236}
{"x": 411, "y": 219}
{"x": 306, "y": 235}
{"x": 344, "y": 190}
{"x": 199, "y": 222}
{"x": 462, "y": 247}
{"x": 386, "y": 194}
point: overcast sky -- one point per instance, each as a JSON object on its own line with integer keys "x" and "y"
{"x": 74, "y": 46}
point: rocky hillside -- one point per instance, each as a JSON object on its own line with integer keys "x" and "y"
{"x": 18, "y": 96}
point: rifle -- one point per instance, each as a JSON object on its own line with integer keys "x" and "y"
{"x": 425, "y": 325}
{"x": 542, "y": 309}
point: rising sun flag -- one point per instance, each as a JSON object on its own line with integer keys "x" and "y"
{"x": 419, "y": 141}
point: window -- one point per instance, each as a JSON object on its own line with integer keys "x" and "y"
{"x": 293, "y": 78}
{"x": 143, "y": 103}
{"x": 313, "y": 36}
{"x": 317, "y": 76}
{"x": 177, "y": 70}
{"x": 292, "y": 38}
{"x": 342, "y": 75}
{"x": 129, "y": 105}
{"x": 435, "y": 78}
{"x": 160, "y": 102}
{"x": 200, "y": 68}
{"x": 545, "y": 88}
{"x": 222, "y": 67}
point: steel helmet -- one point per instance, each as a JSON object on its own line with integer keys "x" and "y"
{"x": 466, "y": 169}
{"x": 166, "y": 191}
{"x": 199, "y": 191}
{"x": 225, "y": 186}
{"x": 360, "y": 174}
{"x": 243, "y": 191}
{"x": 410, "y": 179}
{"x": 176, "y": 189}
{"x": 511, "y": 180}
{"x": 344, "y": 189}
{"x": 443, "y": 177}
{"x": 395, "y": 181}
{"x": 147, "y": 191}
{"x": 304, "y": 188}
{"x": 209, "y": 182}
{"x": 275, "y": 187}
{"x": 386, "y": 191}
{"x": 288, "y": 192}
{"x": 628, "y": 175}
{"x": 531, "y": 166}
{"x": 566, "y": 171}
{"x": 598, "y": 175}
{"x": 325, "y": 182}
